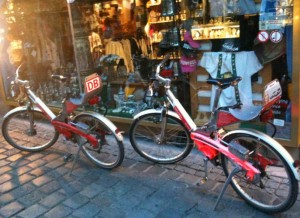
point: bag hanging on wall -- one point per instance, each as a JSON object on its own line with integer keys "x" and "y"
{"x": 170, "y": 39}
{"x": 169, "y": 8}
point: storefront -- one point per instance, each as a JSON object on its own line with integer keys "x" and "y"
{"x": 123, "y": 41}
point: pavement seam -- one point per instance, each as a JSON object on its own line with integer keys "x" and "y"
{"x": 148, "y": 168}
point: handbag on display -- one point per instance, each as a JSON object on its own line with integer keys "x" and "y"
{"x": 169, "y": 8}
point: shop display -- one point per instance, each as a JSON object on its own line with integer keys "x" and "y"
{"x": 275, "y": 14}
{"x": 219, "y": 31}
{"x": 123, "y": 41}
{"x": 219, "y": 64}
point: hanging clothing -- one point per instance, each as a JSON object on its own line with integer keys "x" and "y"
{"x": 143, "y": 45}
{"x": 127, "y": 51}
{"x": 116, "y": 47}
{"x": 95, "y": 41}
{"x": 246, "y": 64}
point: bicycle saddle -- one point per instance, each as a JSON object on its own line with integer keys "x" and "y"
{"x": 224, "y": 83}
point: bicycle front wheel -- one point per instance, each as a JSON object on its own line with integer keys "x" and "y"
{"x": 145, "y": 137}
{"x": 110, "y": 151}
{"x": 276, "y": 188}
{"x": 29, "y": 130}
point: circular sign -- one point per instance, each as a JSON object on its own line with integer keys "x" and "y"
{"x": 263, "y": 36}
{"x": 276, "y": 36}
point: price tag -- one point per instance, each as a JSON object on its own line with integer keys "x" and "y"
{"x": 278, "y": 122}
{"x": 272, "y": 93}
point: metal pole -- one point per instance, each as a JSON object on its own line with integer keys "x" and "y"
{"x": 74, "y": 46}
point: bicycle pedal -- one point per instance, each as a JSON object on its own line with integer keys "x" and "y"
{"x": 238, "y": 150}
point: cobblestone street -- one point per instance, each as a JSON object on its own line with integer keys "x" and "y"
{"x": 39, "y": 185}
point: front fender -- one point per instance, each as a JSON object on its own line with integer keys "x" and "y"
{"x": 156, "y": 111}
{"x": 104, "y": 120}
{"x": 21, "y": 108}
{"x": 272, "y": 142}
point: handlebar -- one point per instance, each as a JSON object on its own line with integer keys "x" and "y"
{"x": 17, "y": 80}
{"x": 157, "y": 75}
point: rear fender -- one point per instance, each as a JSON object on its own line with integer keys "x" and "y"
{"x": 272, "y": 142}
{"x": 155, "y": 111}
{"x": 106, "y": 121}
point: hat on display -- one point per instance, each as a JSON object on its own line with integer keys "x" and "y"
{"x": 188, "y": 38}
{"x": 188, "y": 64}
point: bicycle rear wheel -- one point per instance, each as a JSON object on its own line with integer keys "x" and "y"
{"x": 29, "y": 130}
{"x": 110, "y": 151}
{"x": 276, "y": 188}
{"x": 144, "y": 136}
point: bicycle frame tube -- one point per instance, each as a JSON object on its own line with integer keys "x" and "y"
{"x": 211, "y": 147}
{"x": 67, "y": 129}
{"x": 163, "y": 123}
{"x": 44, "y": 108}
{"x": 216, "y": 146}
{"x": 64, "y": 128}
{"x": 184, "y": 116}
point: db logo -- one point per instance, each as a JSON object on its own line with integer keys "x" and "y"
{"x": 92, "y": 83}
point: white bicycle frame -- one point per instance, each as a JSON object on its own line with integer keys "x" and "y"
{"x": 216, "y": 143}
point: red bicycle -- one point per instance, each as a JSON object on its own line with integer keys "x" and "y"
{"x": 34, "y": 127}
{"x": 259, "y": 169}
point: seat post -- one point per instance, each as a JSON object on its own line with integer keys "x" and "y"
{"x": 216, "y": 99}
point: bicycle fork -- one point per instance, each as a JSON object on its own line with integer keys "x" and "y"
{"x": 163, "y": 124}
{"x": 31, "y": 131}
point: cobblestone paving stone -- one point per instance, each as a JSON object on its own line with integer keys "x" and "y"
{"x": 39, "y": 185}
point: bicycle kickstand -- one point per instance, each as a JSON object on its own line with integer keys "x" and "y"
{"x": 233, "y": 172}
{"x": 205, "y": 178}
{"x": 77, "y": 156}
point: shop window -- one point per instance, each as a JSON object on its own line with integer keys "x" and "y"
{"x": 37, "y": 34}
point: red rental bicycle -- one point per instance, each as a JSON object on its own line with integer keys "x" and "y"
{"x": 34, "y": 127}
{"x": 258, "y": 168}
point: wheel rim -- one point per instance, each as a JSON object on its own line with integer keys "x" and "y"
{"x": 108, "y": 153}
{"x": 272, "y": 189}
{"x": 106, "y": 156}
{"x": 21, "y": 134}
{"x": 146, "y": 137}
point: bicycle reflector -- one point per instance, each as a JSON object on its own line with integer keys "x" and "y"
{"x": 94, "y": 100}
{"x": 266, "y": 115}
{"x": 296, "y": 163}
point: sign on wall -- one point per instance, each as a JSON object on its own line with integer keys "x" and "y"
{"x": 275, "y": 14}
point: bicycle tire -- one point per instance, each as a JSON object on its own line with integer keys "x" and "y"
{"x": 16, "y": 131}
{"x": 143, "y": 135}
{"x": 110, "y": 153}
{"x": 276, "y": 189}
